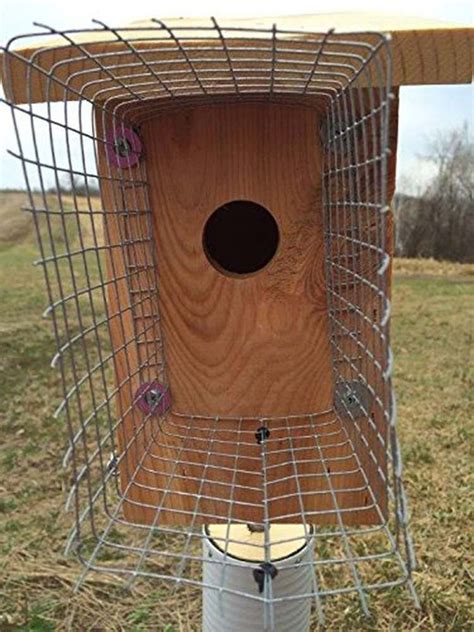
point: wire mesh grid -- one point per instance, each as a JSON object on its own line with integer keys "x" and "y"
{"x": 146, "y": 477}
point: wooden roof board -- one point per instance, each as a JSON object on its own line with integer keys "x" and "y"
{"x": 68, "y": 68}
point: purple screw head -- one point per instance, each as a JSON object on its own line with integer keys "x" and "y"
{"x": 123, "y": 147}
{"x": 153, "y": 398}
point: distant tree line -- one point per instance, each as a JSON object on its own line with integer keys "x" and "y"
{"x": 438, "y": 222}
{"x": 78, "y": 185}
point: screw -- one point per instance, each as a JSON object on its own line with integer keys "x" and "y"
{"x": 153, "y": 397}
{"x": 122, "y": 147}
{"x": 262, "y": 434}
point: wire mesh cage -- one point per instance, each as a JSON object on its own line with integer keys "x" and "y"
{"x": 161, "y": 482}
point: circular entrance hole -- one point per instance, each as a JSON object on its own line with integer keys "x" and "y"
{"x": 240, "y": 237}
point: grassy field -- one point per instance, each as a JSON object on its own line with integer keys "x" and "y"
{"x": 433, "y": 339}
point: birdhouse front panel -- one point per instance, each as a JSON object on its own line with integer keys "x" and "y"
{"x": 250, "y": 341}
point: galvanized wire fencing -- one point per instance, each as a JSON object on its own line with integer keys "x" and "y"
{"x": 146, "y": 476}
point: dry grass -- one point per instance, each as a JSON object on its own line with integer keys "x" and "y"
{"x": 432, "y": 333}
{"x": 17, "y": 227}
{"x": 432, "y": 268}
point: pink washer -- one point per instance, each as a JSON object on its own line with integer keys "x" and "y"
{"x": 123, "y": 147}
{"x": 153, "y": 398}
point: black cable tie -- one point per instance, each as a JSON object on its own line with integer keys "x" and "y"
{"x": 267, "y": 568}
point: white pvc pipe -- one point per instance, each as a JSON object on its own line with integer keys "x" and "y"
{"x": 227, "y": 612}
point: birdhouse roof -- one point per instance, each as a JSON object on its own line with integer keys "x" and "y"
{"x": 102, "y": 62}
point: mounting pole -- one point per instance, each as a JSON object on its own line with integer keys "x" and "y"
{"x": 234, "y": 559}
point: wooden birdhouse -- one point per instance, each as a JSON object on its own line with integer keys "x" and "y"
{"x": 240, "y": 368}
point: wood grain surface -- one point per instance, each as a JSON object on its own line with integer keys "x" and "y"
{"x": 254, "y": 345}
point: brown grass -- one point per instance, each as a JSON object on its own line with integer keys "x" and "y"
{"x": 432, "y": 268}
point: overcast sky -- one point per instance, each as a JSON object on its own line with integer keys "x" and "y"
{"x": 423, "y": 110}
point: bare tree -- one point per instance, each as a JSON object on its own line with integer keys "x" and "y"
{"x": 439, "y": 221}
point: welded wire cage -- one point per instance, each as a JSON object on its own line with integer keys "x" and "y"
{"x": 146, "y": 475}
